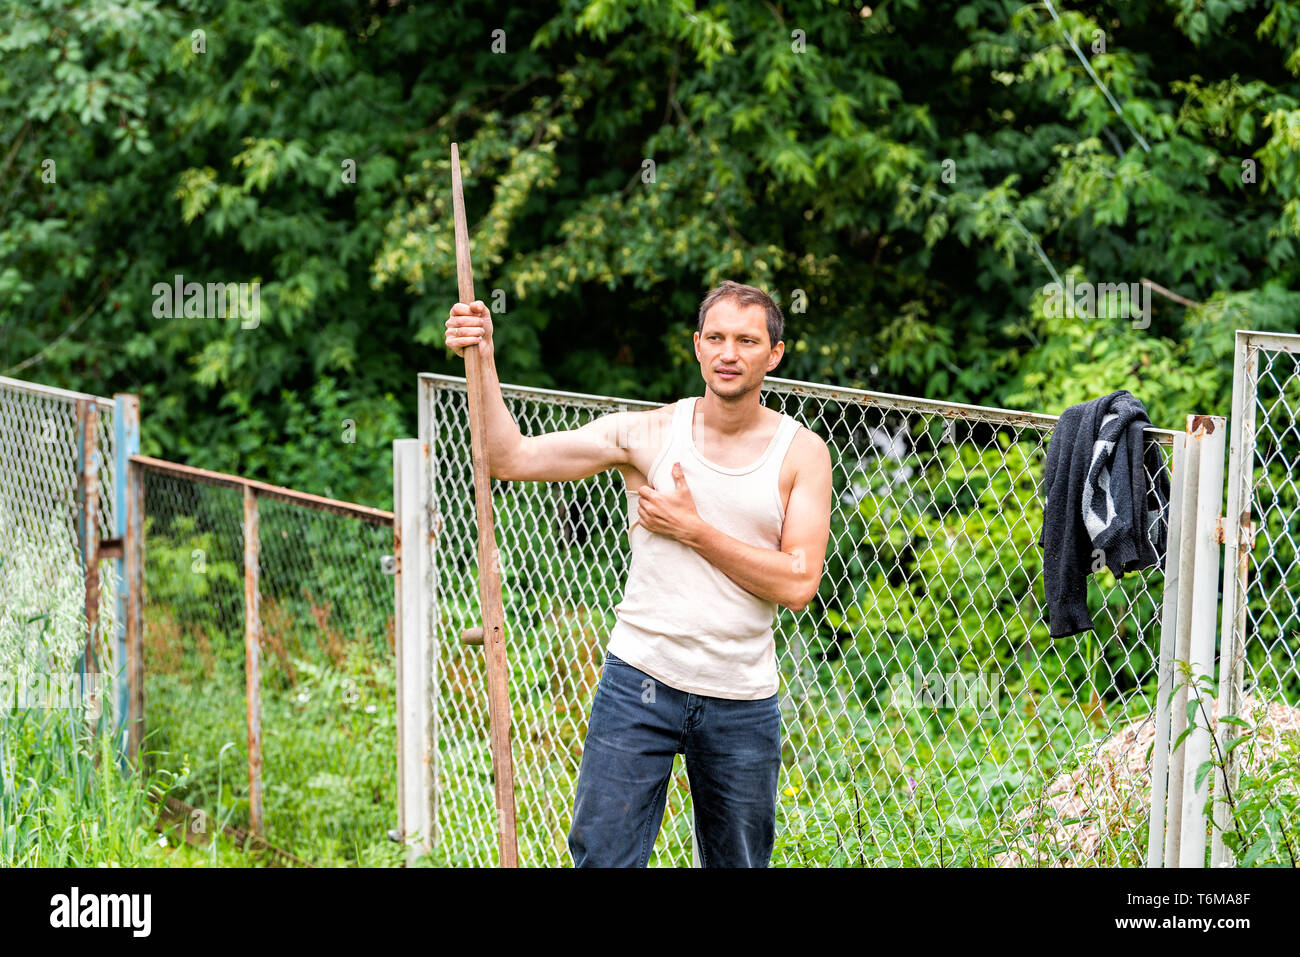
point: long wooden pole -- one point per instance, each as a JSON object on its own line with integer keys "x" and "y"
{"x": 489, "y": 578}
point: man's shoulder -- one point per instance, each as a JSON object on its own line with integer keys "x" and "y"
{"x": 644, "y": 427}
{"x": 807, "y": 448}
{"x": 654, "y": 419}
{"x": 655, "y": 411}
{"x": 645, "y": 414}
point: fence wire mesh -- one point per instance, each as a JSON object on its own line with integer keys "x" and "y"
{"x": 927, "y": 717}
{"x": 39, "y": 475}
{"x": 1273, "y": 613}
{"x": 1269, "y": 629}
{"x": 328, "y": 671}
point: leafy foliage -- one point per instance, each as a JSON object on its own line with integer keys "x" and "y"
{"x": 917, "y": 173}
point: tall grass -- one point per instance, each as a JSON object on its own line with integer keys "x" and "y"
{"x": 64, "y": 801}
{"x": 329, "y": 748}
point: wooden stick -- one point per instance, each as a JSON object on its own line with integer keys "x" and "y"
{"x": 489, "y": 579}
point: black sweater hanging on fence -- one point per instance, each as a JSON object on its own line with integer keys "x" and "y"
{"x": 1096, "y": 496}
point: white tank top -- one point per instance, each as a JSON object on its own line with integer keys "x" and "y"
{"x": 681, "y": 619}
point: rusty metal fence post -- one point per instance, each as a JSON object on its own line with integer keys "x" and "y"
{"x": 252, "y": 662}
{"x": 429, "y": 529}
{"x": 88, "y": 466}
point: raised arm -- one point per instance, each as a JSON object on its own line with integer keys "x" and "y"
{"x": 567, "y": 455}
{"x": 554, "y": 456}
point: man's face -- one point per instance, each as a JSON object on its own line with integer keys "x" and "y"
{"x": 735, "y": 340}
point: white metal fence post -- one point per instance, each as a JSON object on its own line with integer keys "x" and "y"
{"x": 126, "y": 426}
{"x": 1182, "y": 644}
{"x": 1210, "y": 432}
{"x": 1165, "y": 673}
{"x": 1245, "y": 367}
{"x": 414, "y": 712}
{"x": 1178, "y": 799}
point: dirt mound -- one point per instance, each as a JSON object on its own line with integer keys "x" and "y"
{"x": 1112, "y": 791}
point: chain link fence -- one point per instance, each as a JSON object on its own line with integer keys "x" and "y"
{"x": 1273, "y": 607}
{"x": 927, "y": 718}
{"x": 1260, "y": 673}
{"x": 326, "y": 695}
{"x": 41, "y": 431}
{"x": 326, "y": 706}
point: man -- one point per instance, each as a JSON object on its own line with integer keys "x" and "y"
{"x": 729, "y": 515}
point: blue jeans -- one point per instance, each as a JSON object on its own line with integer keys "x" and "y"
{"x": 637, "y": 726}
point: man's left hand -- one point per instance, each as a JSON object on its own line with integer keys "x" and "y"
{"x": 671, "y": 512}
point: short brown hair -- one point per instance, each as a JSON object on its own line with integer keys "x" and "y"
{"x": 744, "y": 295}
